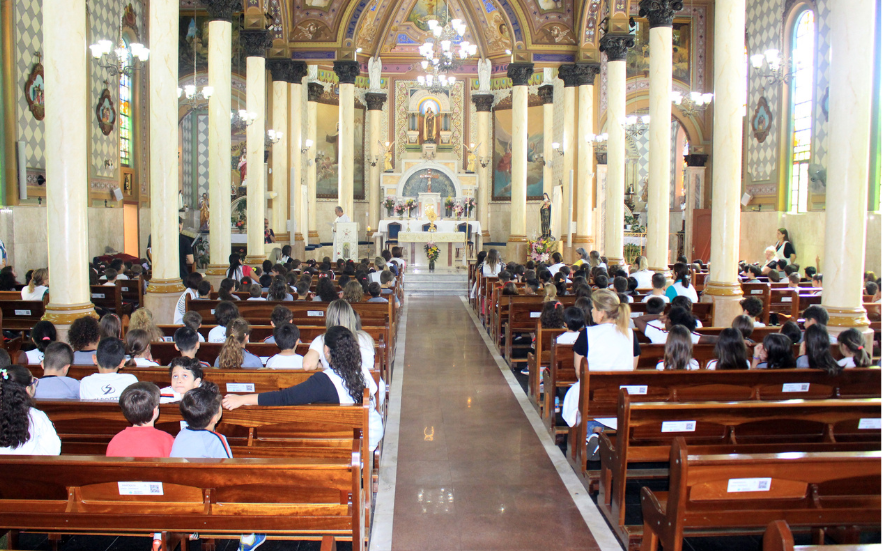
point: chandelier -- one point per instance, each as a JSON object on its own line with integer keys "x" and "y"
{"x": 769, "y": 67}
{"x": 636, "y": 126}
{"x": 444, "y": 51}
{"x": 693, "y": 103}
{"x": 122, "y": 60}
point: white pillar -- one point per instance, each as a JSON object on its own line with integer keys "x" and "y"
{"x": 723, "y": 287}
{"x": 165, "y": 286}
{"x": 616, "y": 48}
{"x": 255, "y": 43}
{"x": 567, "y": 73}
{"x": 279, "y": 68}
{"x": 346, "y": 72}
{"x": 375, "y": 101}
{"x": 600, "y": 213}
{"x": 295, "y": 156}
{"x": 67, "y": 187}
{"x": 483, "y": 109}
{"x": 585, "y": 182}
{"x": 520, "y": 73}
{"x": 314, "y": 90}
{"x": 851, "y": 70}
{"x": 546, "y": 94}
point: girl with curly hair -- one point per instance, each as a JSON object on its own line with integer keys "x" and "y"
{"x": 24, "y": 430}
{"x": 325, "y": 290}
{"x": 343, "y": 383}
{"x": 83, "y": 336}
{"x": 142, "y": 318}
{"x": 353, "y": 292}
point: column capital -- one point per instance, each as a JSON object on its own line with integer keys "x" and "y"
{"x": 567, "y": 74}
{"x": 375, "y": 100}
{"x": 546, "y": 94}
{"x": 347, "y": 71}
{"x": 520, "y": 73}
{"x": 297, "y": 70}
{"x": 222, "y": 10}
{"x": 585, "y": 73}
{"x": 616, "y": 46}
{"x": 255, "y": 42}
{"x": 695, "y": 159}
{"x": 600, "y": 156}
{"x": 279, "y": 68}
{"x": 314, "y": 91}
{"x": 660, "y": 13}
{"x": 483, "y": 102}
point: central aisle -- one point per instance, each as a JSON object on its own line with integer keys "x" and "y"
{"x": 472, "y": 473}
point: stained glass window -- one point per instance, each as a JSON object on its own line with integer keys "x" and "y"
{"x": 125, "y": 116}
{"x": 802, "y": 54}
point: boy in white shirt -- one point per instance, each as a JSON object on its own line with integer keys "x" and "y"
{"x": 658, "y": 288}
{"x": 752, "y": 307}
{"x": 107, "y": 384}
{"x": 574, "y": 318}
{"x": 287, "y": 336}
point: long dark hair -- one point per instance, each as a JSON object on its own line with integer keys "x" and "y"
{"x": 235, "y": 262}
{"x": 225, "y": 291}
{"x": 14, "y": 406}
{"x": 346, "y": 360}
{"x": 678, "y": 349}
{"x": 552, "y": 316}
{"x": 730, "y": 350}
{"x": 779, "y": 351}
{"x": 817, "y": 348}
{"x": 681, "y": 273}
{"x": 854, "y": 342}
{"x": 326, "y": 290}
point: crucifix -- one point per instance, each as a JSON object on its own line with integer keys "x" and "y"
{"x": 429, "y": 176}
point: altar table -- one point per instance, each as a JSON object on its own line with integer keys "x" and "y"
{"x": 413, "y": 245}
{"x": 415, "y": 225}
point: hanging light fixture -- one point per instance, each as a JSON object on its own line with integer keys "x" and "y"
{"x": 192, "y": 96}
{"x": 444, "y": 52}
{"x": 691, "y": 103}
{"x": 122, "y": 60}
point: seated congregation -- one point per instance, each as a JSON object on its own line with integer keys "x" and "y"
{"x": 630, "y": 376}
{"x": 283, "y": 368}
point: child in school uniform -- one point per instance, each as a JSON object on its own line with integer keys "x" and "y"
{"x": 201, "y": 410}
{"x": 55, "y": 384}
{"x": 140, "y": 406}
{"x": 279, "y": 316}
{"x": 574, "y": 318}
{"x": 42, "y": 334}
{"x": 225, "y": 312}
{"x": 193, "y": 320}
{"x": 233, "y": 354}
{"x": 26, "y": 430}
{"x": 187, "y": 343}
{"x": 186, "y": 374}
{"x": 108, "y": 383}
{"x": 287, "y": 336}
{"x": 138, "y": 349}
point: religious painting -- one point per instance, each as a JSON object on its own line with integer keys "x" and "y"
{"x": 34, "y": 90}
{"x": 761, "y": 121}
{"x": 327, "y": 151}
{"x": 193, "y": 44}
{"x": 312, "y": 30}
{"x": 424, "y": 10}
{"x": 419, "y": 182}
{"x": 638, "y": 57}
{"x": 502, "y": 153}
{"x": 105, "y": 112}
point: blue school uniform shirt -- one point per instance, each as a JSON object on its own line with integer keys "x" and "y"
{"x": 199, "y": 443}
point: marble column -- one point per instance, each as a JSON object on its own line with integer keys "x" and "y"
{"x": 220, "y": 182}
{"x": 661, "y": 17}
{"x": 314, "y": 91}
{"x": 851, "y": 75}
{"x": 584, "y": 196}
{"x": 519, "y": 73}
{"x": 546, "y": 94}
{"x": 600, "y": 211}
{"x": 165, "y": 286}
{"x": 723, "y": 287}
{"x": 67, "y": 186}
{"x": 375, "y": 101}
{"x": 616, "y": 48}
{"x": 483, "y": 109}
{"x": 255, "y": 43}
{"x": 346, "y": 72}
{"x": 298, "y": 227}
{"x": 279, "y": 69}
{"x": 568, "y": 74}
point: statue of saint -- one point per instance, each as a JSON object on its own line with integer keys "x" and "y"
{"x": 429, "y": 126}
{"x": 375, "y": 70}
{"x": 545, "y": 215}
{"x": 387, "y": 156}
{"x": 484, "y": 70}
{"x": 471, "y": 158}
{"x": 203, "y": 213}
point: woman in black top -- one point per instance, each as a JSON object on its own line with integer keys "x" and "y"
{"x": 784, "y": 249}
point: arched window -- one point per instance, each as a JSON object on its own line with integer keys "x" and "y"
{"x": 802, "y": 55}
{"x": 125, "y": 114}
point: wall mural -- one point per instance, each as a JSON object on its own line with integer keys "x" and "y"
{"x": 638, "y": 56}
{"x": 502, "y": 153}
{"x": 327, "y": 145}
{"x": 418, "y": 182}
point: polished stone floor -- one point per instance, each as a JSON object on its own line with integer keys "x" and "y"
{"x": 472, "y": 473}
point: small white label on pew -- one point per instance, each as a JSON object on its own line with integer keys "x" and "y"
{"x": 240, "y": 387}
{"x": 756, "y": 291}
{"x": 535, "y": 314}
{"x": 168, "y": 339}
{"x": 140, "y": 488}
{"x": 22, "y": 312}
{"x": 634, "y": 389}
{"x": 678, "y": 426}
{"x": 870, "y": 424}
{"x": 97, "y": 295}
{"x": 749, "y": 485}
{"x": 315, "y": 313}
{"x": 795, "y": 387}
{"x": 212, "y": 311}
{"x": 786, "y": 299}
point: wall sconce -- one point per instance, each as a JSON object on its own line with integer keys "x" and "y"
{"x": 305, "y": 150}
{"x": 273, "y": 137}
{"x": 374, "y": 160}
{"x": 556, "y": 146}
{"x": 484, "y": 161}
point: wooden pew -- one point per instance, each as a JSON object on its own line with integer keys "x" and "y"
{"x": 540, "y": 358}
{"x": 778, "y": 537}
{"x": 21, "y": 315}
{"x": 561, "y": 374}
{"x": 599, "y": 393}
{"x": 785, "y": 303}
{"x": 109, "y": 297}
{"x": 713, "y": 495}
{"x": 523, "y": 313}
{"x": 760, "y": 290}
{"x": 703, "y": 311}
{"x": 309, "y": 498}
{"x": 645, "y": 431}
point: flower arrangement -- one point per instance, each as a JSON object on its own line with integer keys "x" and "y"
{"x": 458, "y": 209}
{"x": 539, "y": 250}
{"x": 389, "y": 203}
{"x": 398, "y": 208}
{"x": 469, "y": 205}
{"x": 448, "y": 203}
{"x": 410, "y": 204}
{"x": 432, "y": 252}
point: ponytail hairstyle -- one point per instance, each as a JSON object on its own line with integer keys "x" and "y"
{"x": 231, "y": 355}
{"x": 730, "y": 350}
{"x": 345, "y": 359}
{"x": 854, "y": 342}
{"x": 43, "y": 334}
{"x": 38, "y": 277}
{"x": 612, "y": 308}
{"x": 235, "y": 262}
{"x": 817, "y": 348}
{"x": 552, "y": 316}
{"x": 681, "y": 273}
{"x": 678, "y": 349}
{"x": 550, "y": 293}
{"x": 642, "y": 263}
{"x": 137, "y": 343}
{"x": 226, "y": 288}
{"x": 15, "y": 402}
{"x": 278, "y": 290}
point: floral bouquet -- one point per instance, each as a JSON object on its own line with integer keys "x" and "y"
{"x": 448, "y": 203}
{"x": 398, "y": 208}
{"x": 432, "y": 252}
{"x": 389, "y": 204}
{"x": 539, "y": 250}
{"x": 458, "y": 210}
{"x": 410, "y": 205}
{"x": 469, "y": 204}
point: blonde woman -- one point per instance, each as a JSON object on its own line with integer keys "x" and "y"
{"x": 642, "y": 273}
{"x": 142, "y": 318}
{"x": 37, "y": 286}
{"x": 550, "y": 293}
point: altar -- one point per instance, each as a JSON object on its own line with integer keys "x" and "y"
{"x": 411, "y": 227}
{"x": 414, "y": 252}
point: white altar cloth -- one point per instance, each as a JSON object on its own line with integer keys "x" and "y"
{"x": 413, "y": 246}
{"x": 441, "y": 225}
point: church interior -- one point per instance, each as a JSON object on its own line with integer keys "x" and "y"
{"x": 475, "y": 146}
